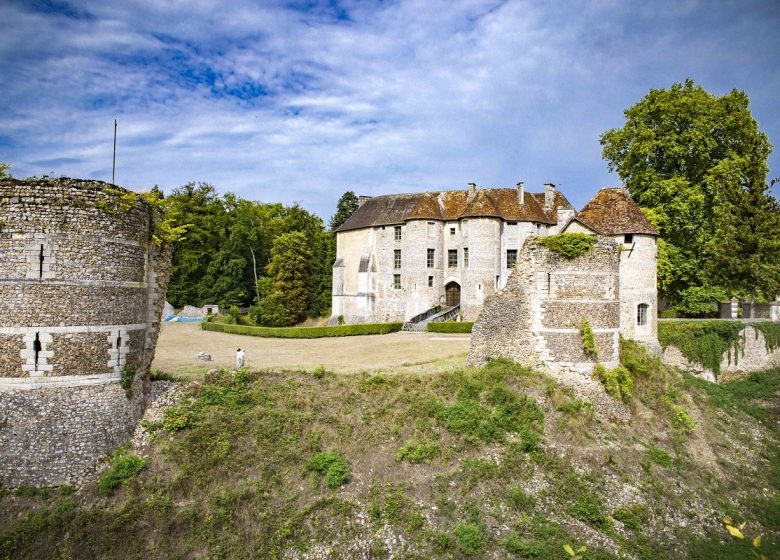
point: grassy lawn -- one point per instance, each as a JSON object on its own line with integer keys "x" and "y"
{"x": 179, "y": 343}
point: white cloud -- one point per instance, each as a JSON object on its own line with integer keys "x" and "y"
{"x": 294, "y": 105}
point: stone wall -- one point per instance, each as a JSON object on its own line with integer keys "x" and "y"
{"x": 754, "y": 357}
{"x": 535, "y": 319}
{"x": 81, "y": 293}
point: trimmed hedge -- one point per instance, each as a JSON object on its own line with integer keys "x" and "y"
{"x": 304, "y": 332}
{"x": 450, "y": 327}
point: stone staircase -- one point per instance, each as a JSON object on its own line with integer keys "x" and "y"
{"x": 419, "y": 323}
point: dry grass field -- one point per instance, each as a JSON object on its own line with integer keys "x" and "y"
{"x": 179, "y": 343}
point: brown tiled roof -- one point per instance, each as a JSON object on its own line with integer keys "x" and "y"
{"x": 613, "y": 212}
{"x": 559, "y": 202}
{"x": 448, "y": 205}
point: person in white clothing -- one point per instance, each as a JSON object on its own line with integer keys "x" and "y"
{"x": 239, "y": 358}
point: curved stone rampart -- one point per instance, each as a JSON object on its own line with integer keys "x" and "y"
{"x": 81, "y": 293}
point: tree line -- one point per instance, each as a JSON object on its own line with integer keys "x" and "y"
{"x": 275, "y": 259}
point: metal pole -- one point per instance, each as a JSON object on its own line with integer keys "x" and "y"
{"x": 113, "y": 165}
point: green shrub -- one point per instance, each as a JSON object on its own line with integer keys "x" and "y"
{"x": 305, "y": 332}
{"x": 418, "y": 452}
{"x": 618, "y": 382}
{"x": 123, "y": 468}
{"x": 159, "y": 375}
{"x": 451, "y": 327}
{"x": 176, "y": 418}
{"x": 520, "y": 499}
{"x": 588, "y": 340}
{"x": 681, "y": 420}
{"x": 332, "y": 465}
{"x": 470, "y": 538}
{"x": 656, "y": 456}
{"x": 569, "y": 245}
{"x": 527, "y": 549}
{"x": 126, "y": 378}
{"x": 633, "y": 516}
{"x": 589, "y": 508}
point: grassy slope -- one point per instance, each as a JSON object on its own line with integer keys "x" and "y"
{"x": 458, "y": 464}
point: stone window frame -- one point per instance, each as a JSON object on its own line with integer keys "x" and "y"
{"x": 452, "y": 258}
{"x": 465, "y": 257}
{"x": 397, "y": 233}
{"x": 396, "y": 281}
{"x": 397, "y": 259}
{"x": 431, "y": 258}
{"x": 642, "y": 311}
{"x": 511, "y": 258}
{"x": 430, "y": 281}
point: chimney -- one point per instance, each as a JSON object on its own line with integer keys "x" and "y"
{"x": 521, "y": 193}
{"x": 362, "y": 200}
{"x": 472, "y": 188}
{"x": 549, "y": 192}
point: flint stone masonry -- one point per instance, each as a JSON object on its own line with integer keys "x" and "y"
{"x": 535, "y": 319}
{"x": 754, "y": 356}
{"x": 81, "y": 294}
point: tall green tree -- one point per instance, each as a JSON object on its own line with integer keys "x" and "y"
{"x": 670, "y": 154}
{"x": 744, "y": 253}
{"x": 290, "y": 272}
{"x": 4, "y": 167}
{"x": 345, "y": 207}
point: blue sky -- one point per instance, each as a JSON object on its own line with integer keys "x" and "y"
{"x": 300, "y": 101}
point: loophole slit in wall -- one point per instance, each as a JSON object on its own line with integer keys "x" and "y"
{"x": 40, "y": 263}
{"x": 37, "y": 347}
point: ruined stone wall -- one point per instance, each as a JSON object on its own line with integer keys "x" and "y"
{"x": 81, "y": 293}
{"x": 535, "y": 319}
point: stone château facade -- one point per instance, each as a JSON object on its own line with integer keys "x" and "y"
{"x": 400, "y": 255}
{"x": 81, "y": 293}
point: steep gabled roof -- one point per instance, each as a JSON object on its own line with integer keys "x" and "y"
{"x": 448, "y": 205}
{"x": 612, "y": 211}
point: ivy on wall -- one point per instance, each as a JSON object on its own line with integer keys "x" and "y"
{"x": 569, "y": 245}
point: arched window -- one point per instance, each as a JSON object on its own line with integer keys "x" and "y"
{"x": 641, "y": 314}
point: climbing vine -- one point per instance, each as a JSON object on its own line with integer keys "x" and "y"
{"x": 771, "y": 332}
{"x": 704, "y": 342}
{"x": 166, "y": 226}
{"x": 588, "y": 340}
{"x": 569, "y": 245}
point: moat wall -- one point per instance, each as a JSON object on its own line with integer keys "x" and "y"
{"x": 81, "y": 293}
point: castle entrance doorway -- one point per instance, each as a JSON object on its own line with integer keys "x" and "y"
{"x": 452, "y": 291}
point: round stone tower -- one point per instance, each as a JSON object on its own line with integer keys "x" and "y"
{"x": 81, "y": 293}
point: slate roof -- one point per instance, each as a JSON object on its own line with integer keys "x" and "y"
{"x": 612, "y": 211}
{"x": 560, "y": 202}
{"x": 450, "y": 206}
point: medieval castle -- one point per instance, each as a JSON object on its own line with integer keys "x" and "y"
{"x": 423, "y": 256}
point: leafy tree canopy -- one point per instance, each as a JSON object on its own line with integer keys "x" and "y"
{"x": 4, "y": 167}
{"x": 679, "y": 149}
{"x": 345, "y": 207}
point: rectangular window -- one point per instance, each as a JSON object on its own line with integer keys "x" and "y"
{"x": 628, "y": 238}
{"x": 431, "y": 257}
{"x": 511, "y": 257}
{"x": 398, "y": 233}
{"x": 641, "y": 314}
{"x": 397, "y": 259}
{"x": 431, "y": 229}
{"x": 511, "y": 223}
{"x": 465, "y": 257}
{"x": 430, "y": 281}
{"x": 452, "y": 258}
{"x": 396, "y": 281}
{"x": 452, "y": 231}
